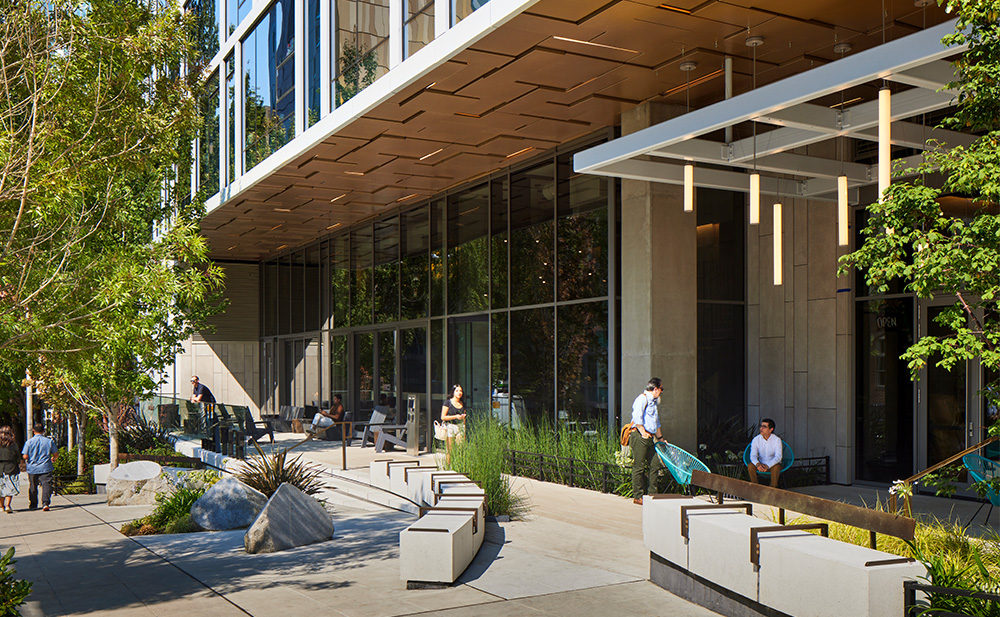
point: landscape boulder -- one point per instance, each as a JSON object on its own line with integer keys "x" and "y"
{"x": 229, "y": 504}
{"x": 136, "y": 483}
{"x": 291, "y": 518}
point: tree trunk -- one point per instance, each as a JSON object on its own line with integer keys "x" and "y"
{"x": 81, "y": 442}
{"x": 112, "y": 437}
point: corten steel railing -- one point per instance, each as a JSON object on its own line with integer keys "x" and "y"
{"x": 951, "y": 459}
{"x": 911, "y": 607}
{"x": 873, "y": 521}
{"x": 605, "y": 477}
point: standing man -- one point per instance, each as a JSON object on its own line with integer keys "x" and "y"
{"x": 765, "y": 453}
{"x": 39, "y": 452}
{"x": 201, "y": 393}
{"x": 647, "y": 469}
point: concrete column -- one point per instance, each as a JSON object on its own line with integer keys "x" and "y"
{"x": 659, "y": 293}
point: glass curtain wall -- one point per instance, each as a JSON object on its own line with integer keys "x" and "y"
{"x": 460, "y": 9}
{"x": 208, "y": 142}
{"x": 207, "y": 16}
{"x": 231, "y": 113}
{"x": 312, "y": 62}
{"x": 361, "y": 46}
{"x": 501, "y": 285}
{"x": 419, "y": 26}
{"x": 269, "y": 73}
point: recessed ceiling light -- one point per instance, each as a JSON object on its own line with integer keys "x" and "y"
{"x": 338, "y": 197}
{"x": 675, "y": 9}
{"x": 522, "y": 151}
{"x": 854, "y": 100}
{"x": 281, "y": 247}
{"x": 592, "y": 44}
{"x": 407, "y": 197}
{"x": 282, "y": 210}
{"x": 354, "y": 173}
{"x": 334, "y": 225}
{"x": 429, "y": 155}
{"x": 275, "y": 227}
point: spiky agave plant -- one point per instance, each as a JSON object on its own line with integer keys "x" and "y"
{"x": 266, "y": 472}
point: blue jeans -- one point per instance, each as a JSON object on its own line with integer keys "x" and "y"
{"x": 34, "y": 479}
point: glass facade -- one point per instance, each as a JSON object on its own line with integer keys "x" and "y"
{"x": 269, "y": 74}
{"x": 312, "y": 52}
{"x": 207, "y": 16}
{"x": 419, "y": 25}
{"x": 361, "y": 46}
{"x": 417, "y": 300}
{"x": 208, "y": 141}
{"x": 460, "y": 9}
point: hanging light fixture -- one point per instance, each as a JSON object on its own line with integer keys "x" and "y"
{"x": 777, "y": 245}
{"x": 843, "y": 212}
{"x": 754, "y": 42}
{"x": 687, "y": 67}
{"x": 884, "y": 139}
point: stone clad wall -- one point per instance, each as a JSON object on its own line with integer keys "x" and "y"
{"x": 799, "y": 335}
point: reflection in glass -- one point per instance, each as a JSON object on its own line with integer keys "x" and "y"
{"x": 413, "y": 265}
{"x": 338, "y": 369}
{"x": 387, "y": 372}
{"x": 340, "y": 275}
{"x": 269, "y": 70}
{"x": 582, "y": 380}
{"x": 438, "y": 385}
{"x": 884, "y": 431}
{"x": 498, "y": 242}
{"x": 460, "y": 9}
{"x": 386, "y": 274}
{"x": 365, "y": 349}
{"x": 419, "y": 25}
{"x": 531, "y": 361}
{"x": 946, "y": 398}
{"x": 468, "y": 259}
{"x": 313, "y": 274}
{"x": 284, "y": 294}
{"x": 499, "y": 379}
{"x": 413, "y": 376}
{"x": 439, "y": 219}
{"x": 207, "y": 15}
{"x": 312, "y": 62}
{"x": 721, "y": 241}
{"x": 361, "y": 49}
{"x": 469, "y": 358}
{"x": 532, "y": 201}
{"x": 361, "y": 276}
{"x": 208, "y": 144}
{"x": 583, "y": 233}
{"x": 231, "y": 111}
{"x": 297, "y": 281}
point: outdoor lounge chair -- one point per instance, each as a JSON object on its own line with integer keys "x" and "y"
{"x": 381, "y": 433}
{"x": 255, "y": 429}
{"x": 787, "y": 458}
{"x": 983, "y": 470}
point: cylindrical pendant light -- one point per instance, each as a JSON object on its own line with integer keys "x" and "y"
{"x": 777, "y": 244}
{"x": 689, "y": 188}
{"x": 884, "y": 139}
{"x": 842, "y": 211}
{"x": 754, "y": 199}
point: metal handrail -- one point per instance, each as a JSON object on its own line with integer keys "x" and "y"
{"x": 935, "y": 467}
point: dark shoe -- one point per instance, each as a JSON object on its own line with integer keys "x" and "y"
{"x": 637, "y": 501}
{"x": 32, "y": 508}
{"x": 45, "y": 508}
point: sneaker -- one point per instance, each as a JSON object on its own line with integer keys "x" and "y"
{"x": 637, "y": 501}
{"x": 45, "y": 508}
{"x": 9, "y": 511}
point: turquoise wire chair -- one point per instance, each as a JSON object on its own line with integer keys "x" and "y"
{"x": 679, "y": 462}
{"x": 787, "y": 458}
{"x": 984, "y": 470}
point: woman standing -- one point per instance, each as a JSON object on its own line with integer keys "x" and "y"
{"x": 453, "y": 411}
{"x": 10, "y": 468}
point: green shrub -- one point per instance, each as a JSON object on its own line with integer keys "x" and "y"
{"x": 140, "y": 435}
{"x": 481, "y": 457}
{"x": 173, "y": 506}
{"x": 13, "y": 592}
{"x": 183, "y": 524}
{"x": 266, "y": 472}
{"x": 65, "y": 463}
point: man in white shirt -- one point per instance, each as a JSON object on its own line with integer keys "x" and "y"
{"x": 765, "y": 453}
{"x": 647, "y": 468}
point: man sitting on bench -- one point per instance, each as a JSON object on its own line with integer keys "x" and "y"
{"x": 765, "y": 453}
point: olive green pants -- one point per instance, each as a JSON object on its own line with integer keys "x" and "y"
{"x": 648, "y": 472}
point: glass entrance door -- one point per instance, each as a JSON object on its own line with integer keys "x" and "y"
{"x": 469, "y": 358}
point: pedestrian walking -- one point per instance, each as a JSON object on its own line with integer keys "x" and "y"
{"x": 10, "y": 469}
{"x": 39, "y": 452}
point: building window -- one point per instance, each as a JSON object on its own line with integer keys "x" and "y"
{"x": 208, "y": 143}
{"x": 532, "y": 201}
{"x": 312, "y": 62}
{"x": 207, "y": 16}
{"x": 269, "y": 70}
{"x": 460, "y": 9}
{"x": 361, "y": 50}
{"x": 236, "y": 10}
{"x": 231, "y": 112}
{"x": 468, "y": 256}
{"x": 419, "y": 26}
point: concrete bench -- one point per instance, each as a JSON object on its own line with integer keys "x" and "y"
{"x": 435, "y": 550}
{"x": 797, "y": 573}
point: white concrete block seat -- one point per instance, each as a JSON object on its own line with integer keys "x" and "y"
{"x": 723, "y": 558}
{"x": 435, "y": 550}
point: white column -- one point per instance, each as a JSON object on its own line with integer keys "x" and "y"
{"x": 300, "y": 66}
{"x": 396, "y": 34}
{"x": 325, "y": 57}
{"x": 442, "y": 17}
{"x": 223, "y": 144}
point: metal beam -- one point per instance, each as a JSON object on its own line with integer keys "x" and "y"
{"x": 913, "y": 135}
{"x": 704, "y": 151}
{"x": 879, "y": 62}
{"x": 931, "y": 76}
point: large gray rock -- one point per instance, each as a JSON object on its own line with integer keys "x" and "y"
{"x": 229, "y": 504}
{"x": 291, "y": 518}
{"x": 136, "y": 483}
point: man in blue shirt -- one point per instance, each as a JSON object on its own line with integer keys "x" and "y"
{"x": 39, "y": 452}
{"x": 647, "y": 468}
